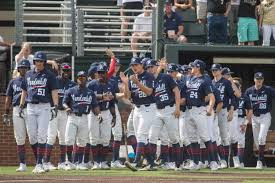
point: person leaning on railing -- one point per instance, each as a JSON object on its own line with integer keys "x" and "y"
{"x": 267, "y": 20}
{"x": 26, "y": 53}
{"x": 173, "y": 26}
{"x": 142, "y": 28}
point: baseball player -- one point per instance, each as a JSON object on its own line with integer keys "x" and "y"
{"x": 105, "y": 93}
{"x": 261, "y": 98}
{"x": 140, "y": 89}
{"x": 39, "y": 89}
{"x": 197, "y": 88}
{"x": 167, "y": 98}
{"x": 244, "y": 116}
{"x": 227, "y": 93}
{"x": 117, "y": 129}
{"x": 57, "y": 126}
{"x": 13, "y": 96}
{"x": 78, "y": 102}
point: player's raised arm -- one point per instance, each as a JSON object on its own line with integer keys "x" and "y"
{"x": 125, "y": 81}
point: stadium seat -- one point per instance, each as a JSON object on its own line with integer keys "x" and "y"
{"x": 195, "y": 32}
{"x": 188, "y": 15}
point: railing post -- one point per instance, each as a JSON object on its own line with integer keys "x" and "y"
{"x": 154, "y": 31}
{"x": 159, "y": 29}
{"x": 19, "y": 22}
{"x": 80, "y": 32}
{"x": 73, "y": 39}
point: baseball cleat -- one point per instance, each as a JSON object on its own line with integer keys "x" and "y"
{"x": 131, "y": 166}
{"x": 49, "y": 166}
{"x": 172, "y": 165}
{"x": 96, "y": 166}
{"x": 214, "y": 166}
{"x": 61, "y": 166}
{"x": 104, "y": 166}
{"x": 236, "y": 162}
{"x": 166, "y": 166}
{"x": 117, "y": 164}
{"x": 223, "y": 164}
{"x": 241, "y": 165}
{"x": 81, "y": 166}
{"x": 148, "y": 168}
{"x": 70, "y": 166}
{"x": 259, "y": 165}
{"x": 193, "y": 166}
{"x": 202, "y": 165}
{"x": 22, "y": 168}
{"x": 89, "y": 165}
{"x": 186, "y": 164}
{"x": 38, "y": 169}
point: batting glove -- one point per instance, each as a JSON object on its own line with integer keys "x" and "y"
{"x": 54, "y": 111}
{"x": 6, "y": 119}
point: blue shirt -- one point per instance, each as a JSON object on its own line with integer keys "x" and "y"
{"x": 164, "y": 94}
{"x": 182, "y": 88}
{"x": 14, "y": 90}
{"x": 63, "y": 85}
{"x": 261, "y": 99}
{"x": 39, "y": 86}
{"x": 217, "y": 95}
{"x": 100, "y": 88}
{"x": 172, "y": 22}
{"x": 226, "y": 90}
{"x": 80, "y": 100}
{"x": 197, "y": 88}
{"x": 244, "y": 104}
{"x": 138, "y": 96}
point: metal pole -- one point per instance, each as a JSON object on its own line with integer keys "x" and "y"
{"x": 73, "y": 8}
{"x": 159, "y": 29}
{"x": 19, "y": 22}
{"x": 80, "y": 32}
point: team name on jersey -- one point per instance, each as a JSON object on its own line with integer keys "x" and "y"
{"x": 193, "y": 86}
{"x": 37, "y": 82}
{"x": 136, "y": 86}
{"x": 16, "y": 88}
{"x": 81, "y": 98}
{"x": 241, "y": 103}
{"x": 262, "y": 98}
{"x": 161, "y": 88}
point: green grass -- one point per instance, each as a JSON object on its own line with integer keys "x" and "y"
{"x": 248, "y": 175}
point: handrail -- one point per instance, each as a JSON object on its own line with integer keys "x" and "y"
{"x": 47, "y": 2}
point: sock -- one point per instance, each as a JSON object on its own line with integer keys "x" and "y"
{"x": 241, "y": 154}
{"x": 195, "y": 151}
{"x": 49, "y": 148}
{"x": 170, "y": 154}
{"x": 203, "y": 154}
{"x": 100, "y": 155}
{"x": 164, "y": 151}
{"x": 176, "y": 154}
{"x": 62, "y": 153}
{"x": 133, "y": 142}
{"x": 234, "y": 148}
{"x": 104, "y": 152}
{"x": 189, "y": 152}
{"x": 95, "y": 153}
{"x": 34, "y": 150}
{"x": 209, "y": 151}
{"x": 40, "y": 152}
{"x": 69, "y": 153}
{"x": 116, "y": 147}
{"x": 221, "y": 152}
{"x": 80, "y": 154}
{"x": 87, "y": 153}
{"x": 182, "y": 154}
{"x": 226, "y": 153}
{"x": 21, "y": 153}
{"x": 152, "y": 153}
{"x": 75, "y": 150}
{"x": 215, "y": 150}
{"x": 139, "y": 152}
{"x": 261, "y": 153}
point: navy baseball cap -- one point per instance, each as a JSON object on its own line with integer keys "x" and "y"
{"x": 259, "y": 75}
{"x": 39, "y": 55}
{"x": 81, "y": 74}
{"x": 144, "y": 60}
{"x": 135, "y": 61}
{"x": 151, "y": 63}
{"x": 185, "y": 68}
{"x": 216, "y": 67}
{"x": 172, "y": 67}
{"x": 101, "y": 68}
{"x": 24, "y": 63}
{"x": 226, "y": 71}
{"x": 118, "y": 62}
{"x": 65, "y": 66}
{"x": 198, "y": 63}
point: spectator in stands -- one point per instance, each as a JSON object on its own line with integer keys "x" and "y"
{"x": 217, "y": 12}
{"x": 142, "y": 28}
{"x": 201, "y": 11}
{"x": 129, "y": 5}
{"x": 3, "y": 49}
{"x": 183, "y": 4}
{"x": 247, "y": 26}
{"x": 26, "y": 53}
{"x": 267, "y": 20}
{"x": 173, "y": 25}
{"x": 233, "y": 20}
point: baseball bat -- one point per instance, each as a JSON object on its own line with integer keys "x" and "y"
{"x": 125, "y": 141}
